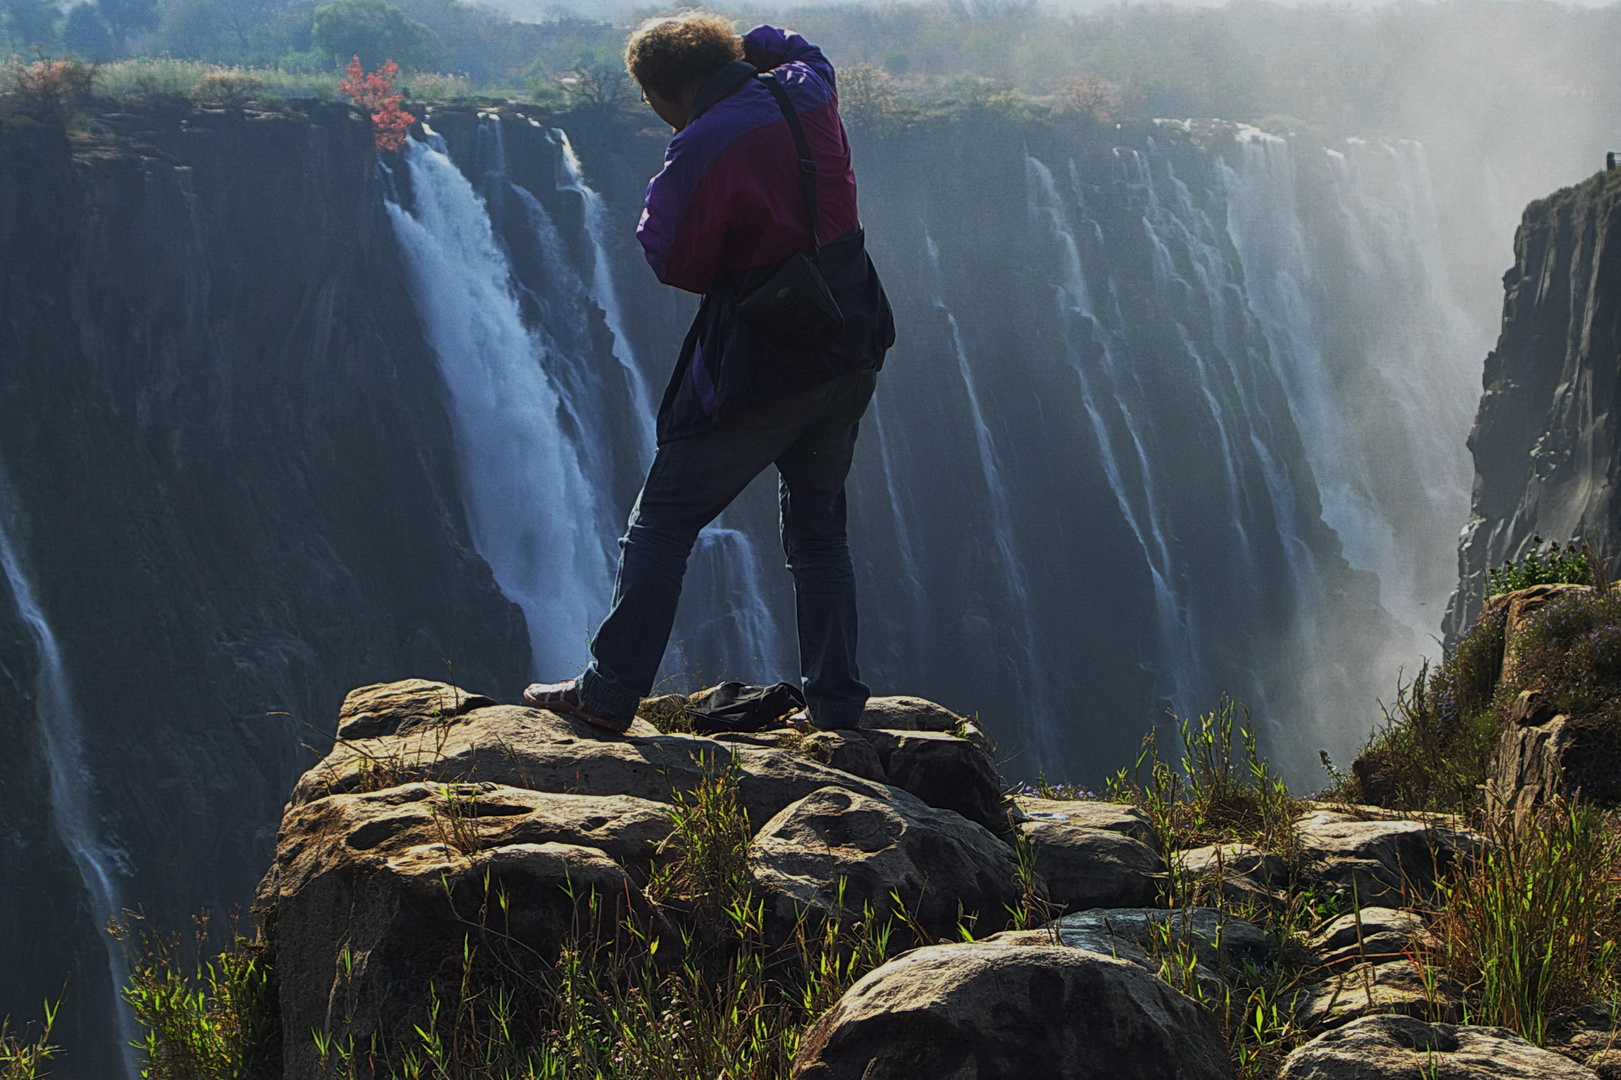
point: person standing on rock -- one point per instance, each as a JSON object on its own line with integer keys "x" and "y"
{"x": 755, "y": 209}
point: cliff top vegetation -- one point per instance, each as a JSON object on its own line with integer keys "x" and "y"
{"x": 1396, "y": 70}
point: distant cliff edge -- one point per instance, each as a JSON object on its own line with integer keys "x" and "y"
{"x": 1546, "y": 446}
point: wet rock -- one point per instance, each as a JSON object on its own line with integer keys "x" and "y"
{"x": 1086, "y": 867}
{"x": 542, "y": 751}
{"x": 1115, "y": 817}
{"x": 993, "y": 1010}
{"x": 1403, "y": 1048}
{"x": 944, "y": 771}
{"x": 943, "y": 867}
{"x": 1365, "y": 989}
{"x": 908, "y": 714}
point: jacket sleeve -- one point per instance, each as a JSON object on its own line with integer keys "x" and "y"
{"x": 766, "y": 47}
{"x": 682, "y": 246}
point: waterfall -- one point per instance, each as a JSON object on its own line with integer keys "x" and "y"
{"x": 72, "y": 785}
{"x": 1380, "y": 381}
{"x": 602, "y": 289}
{"x": 1121, "y": 431}
{"x": 1031, "y": 680}
{"x": 535, "y": 517}
{"x": 539, "y": 427}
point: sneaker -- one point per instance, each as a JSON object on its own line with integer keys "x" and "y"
{"x": 564, "y": 697}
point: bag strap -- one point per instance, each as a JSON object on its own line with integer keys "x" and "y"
{"x": 807, "y": 164}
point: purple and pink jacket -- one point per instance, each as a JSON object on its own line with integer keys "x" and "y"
{"x": 728, "y": 206}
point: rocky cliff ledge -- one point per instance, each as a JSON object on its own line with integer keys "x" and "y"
{"x": 1546, "y": 446}
{"x": 455, "y": 866}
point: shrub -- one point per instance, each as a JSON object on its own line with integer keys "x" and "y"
{"x": 218, "y": 1020}
{"x": 233, "y": 88}
{"x": 1220, "y": 788}
{"x": 1571, "y": 565}
{"x": 23, "y": 1055}
{"x": 1531, "y": 924}
{"x": 1091, "y": 97}
{"x": 867, "y": 95}
{"x": 1432, "y": 750}
{"x": 1570, "y": 648}
{"x": 45, "y": 90}
{"x": 375, "y": 93}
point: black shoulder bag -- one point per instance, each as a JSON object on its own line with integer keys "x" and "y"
{"x": 795, "y": 303}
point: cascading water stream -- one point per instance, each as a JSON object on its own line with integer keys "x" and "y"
{"x": 1382, "y": 428}
{"x": 1027, "y": 664}
{"x": 72, "y": 786}
{"x": 1120, "y": 443}
{"x": 602, "y": 289}
{"x": 534, "y": 516}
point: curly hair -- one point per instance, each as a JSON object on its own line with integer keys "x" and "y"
{"x": 669, "y": 55}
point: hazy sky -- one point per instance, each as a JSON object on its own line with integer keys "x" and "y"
{"x": 608, "y": 9}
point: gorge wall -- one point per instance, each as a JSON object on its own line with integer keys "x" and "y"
{"x": 1166, "y": 418}
{"x": 1545, "y": 441}
{"x": 228, "y": 496}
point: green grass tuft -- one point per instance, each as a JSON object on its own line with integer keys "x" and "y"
{"x": 1219, "y": 787}
{"x": 24, "y": 1054}
{"x": 1531, "y": 924}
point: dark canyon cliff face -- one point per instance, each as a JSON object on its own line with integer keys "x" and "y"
{"x": 229, "y": 486}
{"x": 1547, "y": 449}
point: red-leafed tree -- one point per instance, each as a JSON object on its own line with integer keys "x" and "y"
{"x": 374, "y": 92}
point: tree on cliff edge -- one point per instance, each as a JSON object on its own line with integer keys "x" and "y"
{"x": 373, "y": 31}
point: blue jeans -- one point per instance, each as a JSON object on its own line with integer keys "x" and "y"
{"x": 810, "y": 438}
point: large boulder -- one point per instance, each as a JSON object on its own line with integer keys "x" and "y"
{"x": 1403, "y": 1048}
{"x": 378, "y": 898}
{"x": 992, "y": 1011}
{"x": 1216, "y": 940}
{"x": 944, "y": 771}
{"x": 1370, "y": 935}
{"x": 1240, "y": 875}
{"x": 908, "y": 714}
{"x": 542, "y": 751}
{"x": 943, "y": 867}
{"x": 1397, "y": 986}
{"x": 1115, "y": 817}
{"x": 1380, "y": 861}
{"x": 846, "y": 751}
{"x": 469, "y": 816}
{"x": 1086, "y": 867}
{"x": 397, "y": 708}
